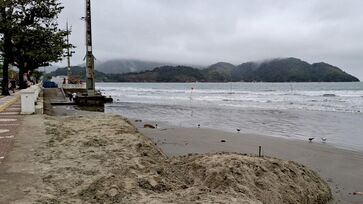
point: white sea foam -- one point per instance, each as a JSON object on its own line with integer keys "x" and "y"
{"x": 332, "y": 110}
{"x": 323, "y": 99}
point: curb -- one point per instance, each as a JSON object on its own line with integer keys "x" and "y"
{"x": 9, "y": 103}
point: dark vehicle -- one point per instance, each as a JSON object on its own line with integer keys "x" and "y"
{"x": 49, "y": 84}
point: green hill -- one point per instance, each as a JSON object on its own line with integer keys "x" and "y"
{"x": 122, "y": 66}
{"x": 326, "y": 72}
{"x": 290, "y": 70}
{"x": 79, "y": 71}
{"x": 276, "y": 70}
{"x": 221, "y": 71}
{"x": 165, "y": 74}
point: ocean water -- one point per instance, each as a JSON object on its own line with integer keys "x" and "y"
{"x": 289, "y": 110}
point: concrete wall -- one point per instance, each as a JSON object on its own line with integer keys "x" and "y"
{"x": 29, "y": 98}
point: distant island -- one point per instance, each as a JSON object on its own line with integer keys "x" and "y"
{"x": 276, "y": 70}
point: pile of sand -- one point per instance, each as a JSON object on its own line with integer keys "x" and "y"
{"x": 103, "y": 159}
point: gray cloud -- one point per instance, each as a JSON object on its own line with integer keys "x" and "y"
{"x": 207, "y": 31}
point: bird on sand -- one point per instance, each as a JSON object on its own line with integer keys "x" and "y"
{"x": 198, "y": 125}
{"x": 323, "y": 139}
{"x": 238, "y": 130}
{"x": 311, "y": 139}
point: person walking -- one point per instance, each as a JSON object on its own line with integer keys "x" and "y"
{"x": 13, "y": 85}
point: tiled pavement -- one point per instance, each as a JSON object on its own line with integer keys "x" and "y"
{"x": 9, "y": 123}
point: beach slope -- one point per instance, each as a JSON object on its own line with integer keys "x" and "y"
{"x": 101, "y": 158}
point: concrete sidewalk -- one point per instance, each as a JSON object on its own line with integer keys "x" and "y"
{"x": 7, "y": 101}
{"x": 10, "y": 108}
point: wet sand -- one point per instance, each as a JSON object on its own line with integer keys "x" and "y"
{"x": 342, "y": 169}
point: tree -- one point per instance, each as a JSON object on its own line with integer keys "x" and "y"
{"x": 6, "y": 45}
{"x": 27, "y": 21}
{"x": 38, "y": 48}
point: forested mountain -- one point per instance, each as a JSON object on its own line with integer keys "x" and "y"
{"x": 165, "y": 74}
{"x": 276, "y": 70}
{"x": 127, "y": 65}
{"x": 79, "y": 71}
{"x": 289, "y": 70}
{"x": 221, "y": 71}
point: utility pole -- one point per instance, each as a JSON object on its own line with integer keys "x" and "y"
{"x": 90, "y": 61}
{"x": 90, "y": 98}
{"x": 69, "y": 53}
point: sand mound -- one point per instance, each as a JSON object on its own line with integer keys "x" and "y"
{"x": 268, "y": 180}
{"x": 103, "y": 159}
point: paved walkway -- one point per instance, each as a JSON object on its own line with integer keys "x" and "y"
{"x": 10, "y": 108}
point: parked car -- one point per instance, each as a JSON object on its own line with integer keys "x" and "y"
{"x": 49, "y": 84}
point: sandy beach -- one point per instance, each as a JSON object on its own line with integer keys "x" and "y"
{"x": 101, "y": 158}
{"x": 77, "y": 156}
{"x": 342, "y": 169}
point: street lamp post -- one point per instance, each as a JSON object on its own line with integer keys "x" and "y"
{"x": 90, "y": 83}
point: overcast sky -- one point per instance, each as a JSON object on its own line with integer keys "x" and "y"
{"x": 203, "y": 32}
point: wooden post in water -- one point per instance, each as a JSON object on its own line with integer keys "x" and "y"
{"x": 259, "y": 151}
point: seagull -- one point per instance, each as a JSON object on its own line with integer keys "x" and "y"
{"x": 238, "y": 130}
{"x": 323, "y": 139}
{"x": 311, "y": 139}
{"x": 156, "y": 125}
{"x": 198, "y": 125}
